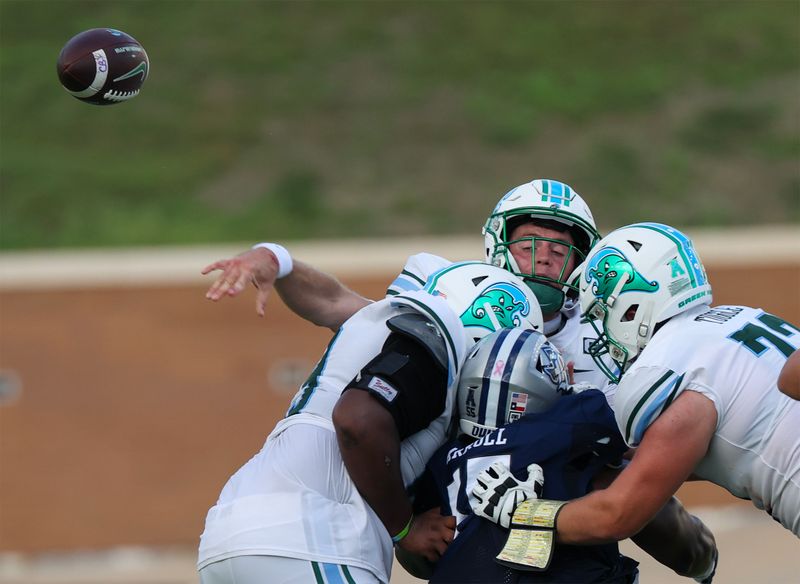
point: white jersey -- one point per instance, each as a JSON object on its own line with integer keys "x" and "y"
{"x": 732, "y": 355}
{"x": 572, "y": 338}
{"x": 416, "y": 271}
{"x": 295, "y": 498}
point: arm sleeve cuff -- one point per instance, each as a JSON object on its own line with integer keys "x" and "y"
{"x": 283, "y": 256}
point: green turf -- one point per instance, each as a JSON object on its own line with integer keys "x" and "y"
{"x": 287, "y": 120}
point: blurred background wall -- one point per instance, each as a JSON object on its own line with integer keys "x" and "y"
{"x": 137, "y": 399}
{"x": 126, "y": 399}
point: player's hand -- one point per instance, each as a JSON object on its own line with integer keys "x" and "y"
{"x": 581, "y": 386}
{"x": 498, "y": 492}
{"x": 258, "y": 266}
{"x": 430, "y": 534}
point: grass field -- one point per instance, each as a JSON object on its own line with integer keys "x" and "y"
{"x": 317, "y": 119}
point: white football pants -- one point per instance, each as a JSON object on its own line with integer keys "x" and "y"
{"x": 280, "y": 570}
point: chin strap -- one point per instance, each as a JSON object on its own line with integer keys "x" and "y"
{"x": 550, "y": 299}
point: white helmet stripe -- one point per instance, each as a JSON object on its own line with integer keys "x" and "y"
{"x": 511, "y": 347}
{"x": 497, "y": 374}
{"x": 487, "y": 409}
{"x": 510, "y": 373}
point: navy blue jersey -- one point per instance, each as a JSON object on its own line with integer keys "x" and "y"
{"x": 571, "y": 442}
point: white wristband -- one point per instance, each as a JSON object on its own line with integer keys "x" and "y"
{"x": 283, "y": 256}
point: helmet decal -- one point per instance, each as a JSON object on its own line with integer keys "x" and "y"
{"x": 553, "y": 367}
{"x": 507, "y": 303}
{"x": 470, "y": 406}
{"x": 517, "y": 406}
{"x": 484, "y": 298}
{"x": 608, "y": 267}
{"x": 675, "y": 268}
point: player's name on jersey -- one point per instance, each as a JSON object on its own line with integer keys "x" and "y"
{"x": 494, "y": 439}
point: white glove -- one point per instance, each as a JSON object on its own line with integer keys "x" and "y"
{"x": 581, "y": 386}
{"x": 498, "y": 492}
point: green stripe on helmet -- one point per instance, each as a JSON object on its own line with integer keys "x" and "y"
{"x": 678, "y": 243}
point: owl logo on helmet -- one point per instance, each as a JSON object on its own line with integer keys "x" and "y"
{"x": 485, "y": 298}
{"x": 501, "y": 304}
{"x": 610, "y": 273}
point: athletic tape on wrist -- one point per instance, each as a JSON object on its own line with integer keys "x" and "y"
{"x": 285, "y": 263}
{"x": 404, "y": 532}
{"x": 532, "y": 537}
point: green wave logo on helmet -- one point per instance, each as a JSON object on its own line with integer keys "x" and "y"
{"x": 607, "y": 267}
{"x": 508, "y": 304}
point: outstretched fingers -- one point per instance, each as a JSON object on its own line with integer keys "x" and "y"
{"x": 255, "y": 266}
{"x": 227, "y": 281}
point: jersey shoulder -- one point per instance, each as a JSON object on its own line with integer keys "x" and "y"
{"x": 576, "y": 423}
{"x": 415, "y": 271}
{"x": 644, "y": 392}
{"x": 719, "y": 352}
{"x": 586, "y": 406}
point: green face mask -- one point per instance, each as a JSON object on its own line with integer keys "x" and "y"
{"x": 550, "y": 299}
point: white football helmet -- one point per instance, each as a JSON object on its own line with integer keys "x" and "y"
{"x": 551, "y": 204}
{"x": 635, "y": 278}
{"x": 508, "y": 373}
{"x": 486, "y": 298}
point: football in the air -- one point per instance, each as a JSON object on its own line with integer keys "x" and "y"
{"x": 103, "y": 66}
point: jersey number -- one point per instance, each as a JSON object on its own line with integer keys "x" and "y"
{"x": 474, "y": 467}
{"x": 751, "y": 335}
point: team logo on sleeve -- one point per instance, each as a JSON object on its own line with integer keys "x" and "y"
{"x": 502, "y": 303}
{"x": 608, "y": 267}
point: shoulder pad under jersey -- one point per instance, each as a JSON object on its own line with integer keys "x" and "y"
{"x": 419, "y": 328}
